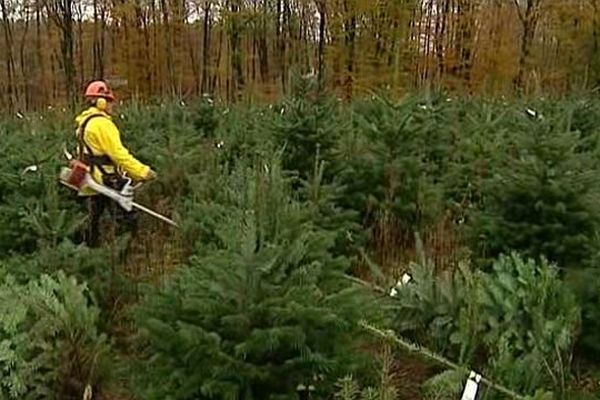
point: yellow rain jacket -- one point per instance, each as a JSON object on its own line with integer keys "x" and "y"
{"x": 102, "y": 137}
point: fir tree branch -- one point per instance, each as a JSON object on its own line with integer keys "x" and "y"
{"x": 366, "y": 284}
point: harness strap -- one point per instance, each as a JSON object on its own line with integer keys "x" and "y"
{"x": 90, "y": 158}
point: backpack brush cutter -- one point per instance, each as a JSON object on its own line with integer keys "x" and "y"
{"x": 77, "y": 176}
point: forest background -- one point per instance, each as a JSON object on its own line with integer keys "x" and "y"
{"x": 247, "y": 49}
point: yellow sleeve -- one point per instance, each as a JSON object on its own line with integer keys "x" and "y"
{"x": 110, "y": 142}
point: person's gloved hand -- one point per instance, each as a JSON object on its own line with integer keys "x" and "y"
{"x": 151, "y": 175}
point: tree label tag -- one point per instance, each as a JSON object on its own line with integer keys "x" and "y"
{"x": 471, "y": 387}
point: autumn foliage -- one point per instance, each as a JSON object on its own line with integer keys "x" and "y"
{"x": 249, "y": 49}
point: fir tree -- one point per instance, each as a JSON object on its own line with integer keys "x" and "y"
{"x": 383, "y": 164}
{"x": 262, "y": 306}
{"x": 50, "y": 347}
{"x": 308, "y": 125}
{"x": 543, "y": 200}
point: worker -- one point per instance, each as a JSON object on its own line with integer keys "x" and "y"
{"x": 100, "y": 147}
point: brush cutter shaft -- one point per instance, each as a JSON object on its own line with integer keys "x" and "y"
{"x": 154, "y": 214}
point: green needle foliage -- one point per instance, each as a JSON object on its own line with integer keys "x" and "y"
{"x": 544, "y": 201}
{"x": 262, "y": 306}
{"x": 516, "y": 323}
{"x": 276, "y": 203}
{"x": 308, "y": 125}
{"x": 50, "y": 347}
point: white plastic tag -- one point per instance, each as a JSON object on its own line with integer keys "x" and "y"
{"x": 471, "y": 387}
{"x": 406, "y": 278}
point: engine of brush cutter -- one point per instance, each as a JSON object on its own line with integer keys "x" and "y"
{"x": 76, "y": 175}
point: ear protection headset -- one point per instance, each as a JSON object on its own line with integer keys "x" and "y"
{"x": 101, "y": 103}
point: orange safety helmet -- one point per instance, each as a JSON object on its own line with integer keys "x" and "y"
{"x": 99, "y": 89}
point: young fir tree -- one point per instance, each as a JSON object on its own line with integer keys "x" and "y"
{"x": 50, "y": 345}
{"x": 35, "y": 211}
{"x": 543, "y": 201}
{"x": 262, "y": 306}
{"x": 386, "y": 166}
{"x": 308, "y": 125}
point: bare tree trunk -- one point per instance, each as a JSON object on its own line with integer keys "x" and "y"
{"x": 168, "y": 45}
{"x": 443, "y": 8}
{"x": 466, "y": 40}
{"x": 299, "y": 53}
{"x": 428, "y": 37}
{"x": 321, "y": 6}
{"x": 101, "y": 48}
{"x": 40, "y": 90}
{"x": 594, "y": 61}
{"x": 237, "y": 81}
{"x": 178, "y": 12}
{"x": 282, "y": 36}
{"x": 25, "y": 73}
{"x": 80, "y": 43}
{"x": 307, "y": 36}
{"x": 263, "y": 49}
{"x": 254, "y": 58}
{"x": 350, "y": 36}
{"x": 291, "y": 37}
{"x": 206, "y": 47}
{"x": 10, "y": 62}
{"x": 256, "y": 27}
{"x": 137, "y": 61}
{"x": 98, "y": 40}
{"x": 128, "y": 31}
{"x": 142, "y": 53}
{"x": 193, "y": 59}
{"x": 529, "y": 20}
{"x": 215, "y": 78}
{"x": 61, "y": 12}
{"x": 156, "y": 82}
{"x": 417, "y": 32}
{"x": 67, "y": 51}
{"x": 394, "y": 56}
{"x": 379, "y": 34}
{"x": 147, "y": 51}
{"x": 95, "y": 43}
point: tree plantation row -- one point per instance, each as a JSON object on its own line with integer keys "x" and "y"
{"x": 298, "y": 220}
